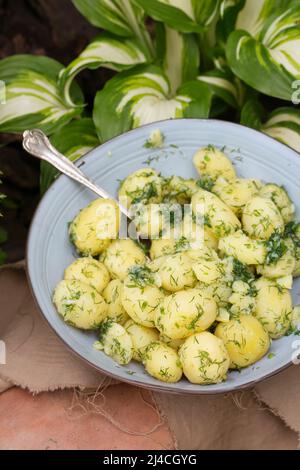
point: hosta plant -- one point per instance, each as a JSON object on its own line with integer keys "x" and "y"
{"x": 232, "y": 59}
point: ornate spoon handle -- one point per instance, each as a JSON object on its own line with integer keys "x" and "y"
{"x": 37, "y": 144}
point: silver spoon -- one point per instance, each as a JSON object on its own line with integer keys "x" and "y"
{"x": 37, "y": 144}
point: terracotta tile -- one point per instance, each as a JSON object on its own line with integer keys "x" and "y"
{"x": 58, "y": 421}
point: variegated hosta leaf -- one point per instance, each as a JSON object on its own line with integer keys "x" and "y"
{"x": 265, "y": 49}
{"x": 142, "y": 96}
{"x": 33, "y": 98}
{"x": 283, "y": 123}
{"x": 106, "y": 51}
{"x": 184, "y": 15}
{"x": 74, "y": 140}
{"x": 225, "y": 86}
{"x": 180, "y": 55}
{"x": 122, "y": 17}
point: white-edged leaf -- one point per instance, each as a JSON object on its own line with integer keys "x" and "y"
{"x": 143, "y": 95}
{"x": 225, "y": 86}
{"x": 33, "y": 98}
{"x": 106, "y": 51}
{"x": 183, "y": 65}
{"x": 74, "y": 140}
{"x": 264, "y": 51}
{"x": 184, "y": 15}
{"x": 121, "y": 17}
{"x": 282, "y": 124}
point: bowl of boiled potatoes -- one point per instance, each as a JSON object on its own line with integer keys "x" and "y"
{"x": 204, "y": 298}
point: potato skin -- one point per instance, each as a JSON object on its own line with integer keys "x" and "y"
{"x": 236, "y": 193}
{"x": 93, "y": 228}
{"x": 141, "y": 337}
{"x": 273, "y": 307}
{"x": 162, "y": 362}
{"x": 204, "y": 359}
{"x": 176, "y": 272}
{"x": 217, "y": 215}
{"x": 112, "y": 294}
{"x": 184, "y": 313}
{"x": 143, "y": 186}
{"x": 243, "y": 248}
{"x": 90, "y": 271}
{"x": 120, "y": 256}
{"x": 212, "y": 162}
{"x": 261, "y": 218}
{"x": 141, "y": 303}
{"x": 79, "y": 304}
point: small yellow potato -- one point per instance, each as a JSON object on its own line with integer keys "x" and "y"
{"x": 79, "y": 304}
{"x": 149, "y": 221}
{"x": 204, "y": 359}
{"x": 245, "y": 339}
{"x": 141, "y": 298}
{"x": 212, "y": 162}
{"x": 215, "y": 213}
{"x": 112, "y": 296}
{"x": 236, "y": 193}
{"x": 95, "y": 226}
{"x": 284, "y": 266}
{"x": 143, "y": 186}
{"x": 243, "y": 248}
{"x": 178, "y": 189}
{"x": 173, "y": 343}
{"x": 120, "y": 256}
{"x": 281, "y": 199}
{"x": 115, "y": 342}
{"x": 176, "y": 272}
{"x": 184, "y": 313}
{"x": 206, "y": 265}
{"x": 90, "y": 271}
{"x": 261, "y": 218}
{"x": 273, "y": 307}
{"x": 162, "y": 362}
{"x": 141, "y": 338}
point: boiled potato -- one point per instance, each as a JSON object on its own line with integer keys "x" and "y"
{"x": 79, "y": 304}
{"x": 237, "y": 192}
{"x": 163, "y": 246}
{"x": 261, "y": 218}
{"x": 143, "y": 186}
{"x": 206, "y": 265}
{"x": 273, "y": 307}
{"x": 197, "y": 234}
{"x": 141, "y": 338}
{"x": 281, "y": 198}
{"x": 120, "y": 256}
{"x": 178, "y": 189}
{"x": 115, "y": 342}
{"x": 212, "y": 162}
{"x": 149, "y": 221}
{"x": 184, "y": 313}
{"x": 141, "y": 297}
{"x": 204, "y": 359}
{"x": 176, "y": 272}
{"x": 284, "y": 266}
{"x": 93, "y": 228}
{"x": 245, "y": 339}
{"x": 90, "y": 271}
{"x": 243, "y": 248}
{"x": 112, "y": 296}
{"x": 162, "y": 362}
{"x": 215, "y": 213}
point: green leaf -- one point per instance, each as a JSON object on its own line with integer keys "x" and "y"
{"x": 32, "y": 96}
{"x": 3, "y": 256}
{"x": 3, "y": 235}
{"x": 184, "y": 15}
{"x": 265, "y": 49}
{"x": 120, "y": 17}
{"x": 184, "y": 65}
{"x": 225, "y": 86}
{"x": 74, "y": 140}
{"x": 143, "y": 95}
{"x": 106, "y": 51}
{"x": 252, "y": 114}
{"x": 284, "y": 125}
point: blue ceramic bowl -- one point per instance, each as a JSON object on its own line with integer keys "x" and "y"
{"x": 49, "y": 251}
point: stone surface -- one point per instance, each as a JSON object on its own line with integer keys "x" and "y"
{"x": 55, "y": 421}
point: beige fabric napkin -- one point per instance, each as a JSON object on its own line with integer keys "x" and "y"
{"x": 267, "y": 417}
